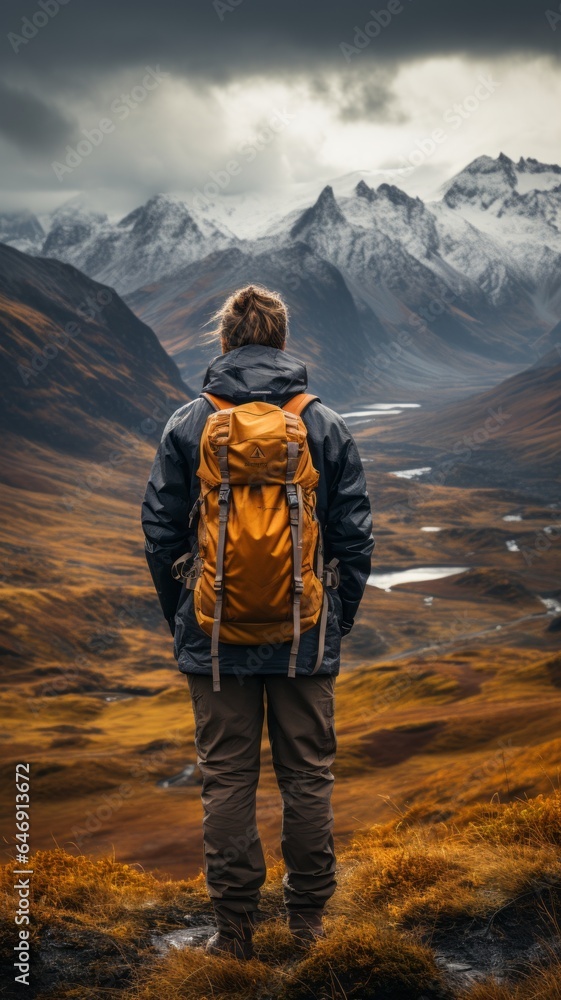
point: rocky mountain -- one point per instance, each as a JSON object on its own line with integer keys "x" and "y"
{"x": 392, "y": 249}
{"x": 456, "y": 293}
{"x": 351, "y": 353}
{"x": 72, "y": 228}
{"x": 155, "y": 239}
{"x": 78, "y": 369}
{"x": 488, "y": 183}
{"x": 441, "y": 303}
{"x": 22, "y": 230}
{"x": 518, "y": 207}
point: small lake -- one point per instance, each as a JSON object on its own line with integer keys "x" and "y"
{"x": 370, "y": 411}
{"x": 417, "y": 574}
{"x": 411, "y": 473}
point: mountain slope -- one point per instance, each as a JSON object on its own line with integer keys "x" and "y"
{"x": 326, "y": 328}
{"x": 77, "y": 365}
{"x": 508, "y": 433}
{"x": 518, "y": 205}
{"x": 386, "y": 242}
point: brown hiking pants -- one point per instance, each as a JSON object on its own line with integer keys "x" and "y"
{"x": 229, "y": 725}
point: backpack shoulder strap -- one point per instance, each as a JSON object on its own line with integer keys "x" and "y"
{"x": 298, "y": 403}
{"x": 216, "y": 401}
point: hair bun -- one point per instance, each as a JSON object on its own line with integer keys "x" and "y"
{"x": 252, "y": 315}
{"x": 244, "y": 299}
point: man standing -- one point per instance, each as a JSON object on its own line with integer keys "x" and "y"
{"x": 275, "y": 565}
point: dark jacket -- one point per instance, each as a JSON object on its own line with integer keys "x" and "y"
{"x": 343, "y": 508}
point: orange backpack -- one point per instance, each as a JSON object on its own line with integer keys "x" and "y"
{"x": 258, "y": 575}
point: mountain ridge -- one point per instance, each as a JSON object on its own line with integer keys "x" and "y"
{"x": 477, "y": 272}
{"x": 77, "y": 362}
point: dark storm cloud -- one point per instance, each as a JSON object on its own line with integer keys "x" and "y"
{"x": 358, "y": 96}
{"x": 373, "y": 100}
{"x": 70, "y": 59}
{"x": 31, "y": 124}
{"x": 219, "y": 40}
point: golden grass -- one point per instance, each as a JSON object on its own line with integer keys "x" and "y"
{"x": 399, "y": 883}
{"x": 364, "y": 963}
{"x": 541, "y": 984}
{"x": 190, "y": 975}
{"x": 535, "y": 821}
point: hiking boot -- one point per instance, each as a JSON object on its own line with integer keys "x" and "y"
{"x": 228, "y": 945}
{"x": 234, "y": 936}
{"x": 306, "y": 927}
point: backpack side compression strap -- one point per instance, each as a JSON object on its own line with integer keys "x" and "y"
{"x": 223, "y": 511}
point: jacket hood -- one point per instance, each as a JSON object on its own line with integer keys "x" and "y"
{"x": 256, "y": 372}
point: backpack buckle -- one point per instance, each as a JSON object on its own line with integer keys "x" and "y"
{"x": 292, "y": 495}
{"x": 224, "y": 494}
{"x": 331, "y": 575}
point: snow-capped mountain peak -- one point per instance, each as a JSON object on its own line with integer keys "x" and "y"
{"x": 497, "y": 228}
{"x": 486, "y": 183}
{"x": 160, "y": 216}
{"x": 72, "y": 225}
{"x": 483, "y": 183}
{"x": 325, "y": 213}
{"x": 21, "y": 230}
{"x": 362, "y": 190}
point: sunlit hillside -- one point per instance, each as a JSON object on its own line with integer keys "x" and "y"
{"x": 446, "y": 910}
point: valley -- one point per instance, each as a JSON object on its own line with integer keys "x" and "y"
{"x": 419, "y": 324}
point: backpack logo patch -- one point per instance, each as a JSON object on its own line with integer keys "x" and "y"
{"x": 257, "y": 453}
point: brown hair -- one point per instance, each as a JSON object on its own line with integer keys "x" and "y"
{"x": 252, "y": 315}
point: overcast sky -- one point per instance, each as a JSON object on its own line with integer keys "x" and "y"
{"x": 263, "y": 95}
